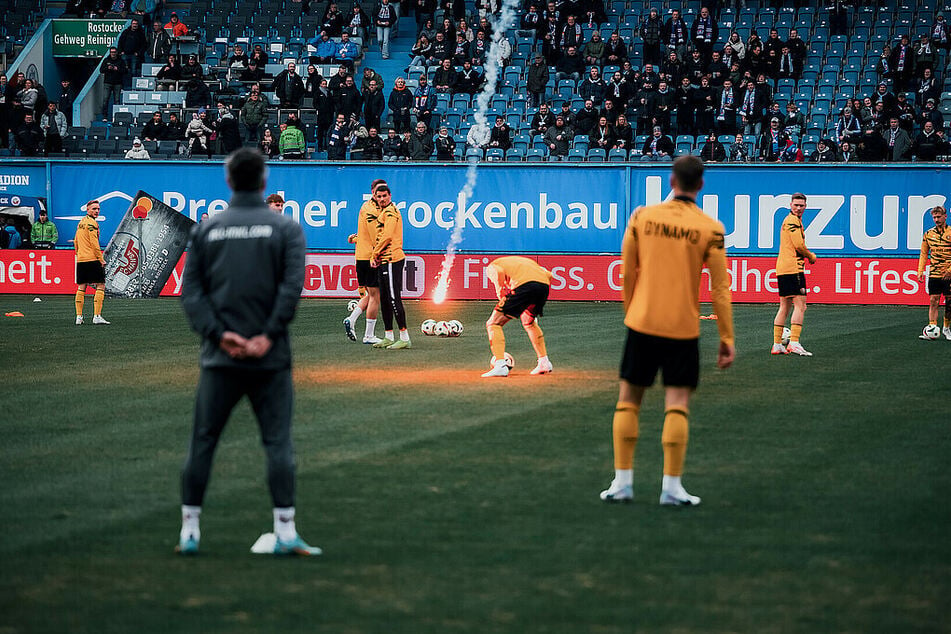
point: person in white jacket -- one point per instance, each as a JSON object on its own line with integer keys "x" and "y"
{"x": 138, "y": 151}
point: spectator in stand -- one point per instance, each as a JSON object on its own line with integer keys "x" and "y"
{"x": 661, "y": 103}
{"x": 53, "y": 125}
{"x": 469, "y": 80}
{"x": 792, "y": 153}
{"x": 651, "y": 30}
{"x": 289, "y": 87}
{"x": 401, "y": 104}
{"x": 292, "y": 144}
{"x": 159, "y": 45}
{"x": 752, "y": 107}
{"x": 197, "y": 94}
{"x": 197, "y": 134}
{"x": 312, "y": 81}
{"x": 538, "y": 76}
{"x": 337, "y": 81}
{"x": 192, "y": 69}
{"x": 903, "y": 63}
{"x": 425, "y": 11}
{"x": 880, "y": 115}
{"x": 424, "y": 100}
{"x": 441, "y": 50}
{"x": 846, "y": 153}
{"x": 658, "y": 146}
{"x": 795, "y": 122}
{"x": 941, "y": 40}
{"x": 736, "y": 45}
{"x": 550, "y": 40}
{"x": 326, "y": 49}
{"x": 593, "y": 52}
{"x": 932, "y": 114}
{"x": 773, "y": 43}
{"x": 67, "y": 95}
{"x": 683, "y": 102}
{"x": 137, "y": 152}
{"x": 43, "y": 234}
{"x": 29, "y": 136}
{"x": 420, "y": 145}
{"x": 269, "y": 146}
{"x": 617, "y": 91}
{"x": 460, "y": 51}
{"x": 332, "y": 20}
{"x": 542, "y": 120}
{"x": 705, "y": 100}
{"x": 421, "y": 52}
{"x": 847, "y": 126}
{"x": 113, "y": 71}
{"x": 373, "y": 146}
{"x": 676, "y": 35}
{"x": 557, "y": 138}
{"x": 429, "y": 30}
{"x": 773, "y": 142}
{"x": 6, "y": 108}
{"x": 704, "y": 34}
{"x": 824, "y": 153}
{"x": 177, "y": 26}
{"x": 586, "y": 118}
{"x": 739, "y": 150}
{"x": 928, "y": 88}
{"x": 358, "y": 25}
{"x": 347, "y": 52}
{"x": 445, "y": 146}
{"x": 925, "y": 55}
{"x": 239, "y": 59}
{"x": 717, "y": 70}
{"x": 615, "y": 50}
{"x": 726, "y": 111}
{"x": 570, "y": 66}
{"x": 906, "y": 113}
{"x": 228, "y": 131}
{"x": 789, "y": 66}
{"x": 695, "y": 68}
{"x": 132, "y": 45}
{"x": 797, "y": 47}
{"x": 444, "y": 80}
{"x": 928, "y": 145}
{"x": 593, "y": 87}
{"x": 349, "y": 101}
{"x": 384, "y": 18}
{"x": 531, "y": 23}
{"x": 175, "y": 132}
{"x": 713, "y": 151}
{"x": 374, "y": 105}
{"x": 757, "y": 62}
{"x": 884, "y": 65}
{"x": 155, "y": 129}
{"x": 623, "y": 134}
{"x": 897, "y": 142}
{"x": 324, "y": 105}
{"x": 602, "y": 135}
{"x": 254, "y": 72}
{"x": 392, "y": 146}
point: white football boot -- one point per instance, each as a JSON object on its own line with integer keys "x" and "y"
{"x": 795, "y": 347}
{"x": 79, "y": 320}
{"x": 946, "y": 331}
{"x": 678, "y": 498}
{"x": 98, "y": 319}
{"x": 500, "y": 369}
{"x": 779, "y": 348}
{"x": 617, "y": 493}
{"x": 543, "y": 367}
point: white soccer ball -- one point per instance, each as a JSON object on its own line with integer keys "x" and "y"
{"x": 509, "y": 361}
{"x": 427, "y": 326}
{"x": 786, "y": 336}
{"x": 931, "y": 331}
{"x": 352, "y": 304}
{"x": 455, "y": 328}
{"x": 441, "y": 329}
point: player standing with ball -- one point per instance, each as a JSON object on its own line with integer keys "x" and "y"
{"x": 791, "y": 279}
{"x": 388, "y": 258}
{"x": 936, "y": 246}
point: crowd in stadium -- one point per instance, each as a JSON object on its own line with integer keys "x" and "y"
{"x": 578, "y": 80}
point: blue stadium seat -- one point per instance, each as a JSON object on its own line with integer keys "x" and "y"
{"x": 576, "y": 155}
{"x": 514, "y": 155}
{"x": 535, "y": 155}
{"x": 596, "y": 155}
{"x": 617, "y": 155}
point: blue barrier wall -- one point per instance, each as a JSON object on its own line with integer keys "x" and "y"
{"x": 872, "y": 211}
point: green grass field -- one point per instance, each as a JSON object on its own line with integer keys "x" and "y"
{"x": 448, "y": 503}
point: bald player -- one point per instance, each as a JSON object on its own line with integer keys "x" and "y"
{"x": 522, "y": 287}
{"x": 664, "y": 250}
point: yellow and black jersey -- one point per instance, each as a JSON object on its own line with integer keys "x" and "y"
{"x": 389, "y": 237}
{"x": 86, "y": 243}
{"x": 366, "y": 230}
{"x": 514, "y": 270}
{"x": 792, "y": 247}
{"x": 936, "y": 246}
{"x": 664, "y": 249}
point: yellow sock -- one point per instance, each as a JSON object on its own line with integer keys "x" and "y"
{"x": 795, "y": 331}
{"x": 947, "y": 322}
{"x": 674, "y": 439}
{"x": 933, "y": 322}
{"x": 777, "y": 334}
{"x": 97, "y": 301}
{"x": 497, "y": 341}
{"x": 626, "y": 430}
{"x": 80, "y": 300}
{"x": 537, "y": 337}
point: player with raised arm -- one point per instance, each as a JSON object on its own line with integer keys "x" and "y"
{"x": 791, "y": 279}
{"x": 367, "y": 278}
{"x": 388, "y": 257}
{"x": 936, "y": 247}
{"x": 664, "y": 250}
{"x": 522, "y": 287}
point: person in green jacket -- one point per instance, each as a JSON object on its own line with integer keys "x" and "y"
{"x": 254, "y": 114}
{"x": 44, "y": 235}
{"x": 292, "y": 142}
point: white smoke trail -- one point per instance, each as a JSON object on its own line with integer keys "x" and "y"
{"x": 493, "y": 67}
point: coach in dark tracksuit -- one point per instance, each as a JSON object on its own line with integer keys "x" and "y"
{"x": 243, "y": 280}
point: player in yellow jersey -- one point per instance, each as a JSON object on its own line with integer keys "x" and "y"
{"x": 664, "y": 250}
{"x": 367, "y": 278}
{"x": 522, "y": 287}
{"x": 388, "y": 258}
{"x": 90, "y": 264}
{"x": 791, "y": 279}
{"x": 936, "y": 246}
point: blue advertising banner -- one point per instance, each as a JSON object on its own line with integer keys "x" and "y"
{"x": 874, "y": 211}
{"x": 19, "y": 180}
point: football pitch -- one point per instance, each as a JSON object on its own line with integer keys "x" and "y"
{"x": 449, "y": 503}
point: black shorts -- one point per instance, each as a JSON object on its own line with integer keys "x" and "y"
{"x": 530, "y": 296}
{"x": 645, "y": 354}
{"x": 792, "y": 284}
{"x": 366, "y": 274}
{"x": 90, "y": 272}
{"x": 939, "y": 286}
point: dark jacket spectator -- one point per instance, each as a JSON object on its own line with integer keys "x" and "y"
{"x": 870, "y": 147}
{"x": 558, "y": 137}
{"x": 113, "y": 69}
{"x": 29, "y": 137}
{"x": 713, "y": 150}
{"x": 897, "y": 142}
{"x": 289, "y": 87}
{"x": 420, "y": 144}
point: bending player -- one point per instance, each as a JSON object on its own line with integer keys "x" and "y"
{"x": 791, "y": 279}
{"x": 522, "y": 286}
{"x": 664, "y": 249}
{"x": 388, "y": 257}
{"x": 936, "y": 246}
{"x": 367, "y": 277}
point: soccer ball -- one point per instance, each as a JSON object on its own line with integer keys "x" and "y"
{"x": 352, "y": 304}
{"x": 427, "y": 326}
{"x": 786, "y": 335}
{"x": 455, "y": 328}
{"x": 509, "y": 361}
{"x": 441, "y": 329}
{"x": 931, "y": 331}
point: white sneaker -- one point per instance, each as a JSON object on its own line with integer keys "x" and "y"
{"x": 348, "y": 328}
{"x": 779, "y": 348}
{"x": 372, "y": 339}
{"x": 500, "y": 369}
{"x": 678, "y": 498}
{"x": 79, "y": 320}
{"x": 543, "y": 367}
{"x": 98, "y": 319}
{"x": 946, "y": 331}
{"x": 795, "y": 347}
{"x": 615, "y": 493}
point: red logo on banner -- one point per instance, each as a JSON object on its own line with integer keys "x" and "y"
{"x": 129, "y": 261}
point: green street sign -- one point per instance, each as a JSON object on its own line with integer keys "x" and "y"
{"x": 85, "y": 38}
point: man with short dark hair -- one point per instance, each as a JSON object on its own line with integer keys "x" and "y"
{"x": 113, "y": 70}
{"x": 132, "y": 45}
{"x": 242, "y": 282}
{"x": 665, "y": 249}
{"x": 43, "y": 233}
{"x": 791, "y": 279}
